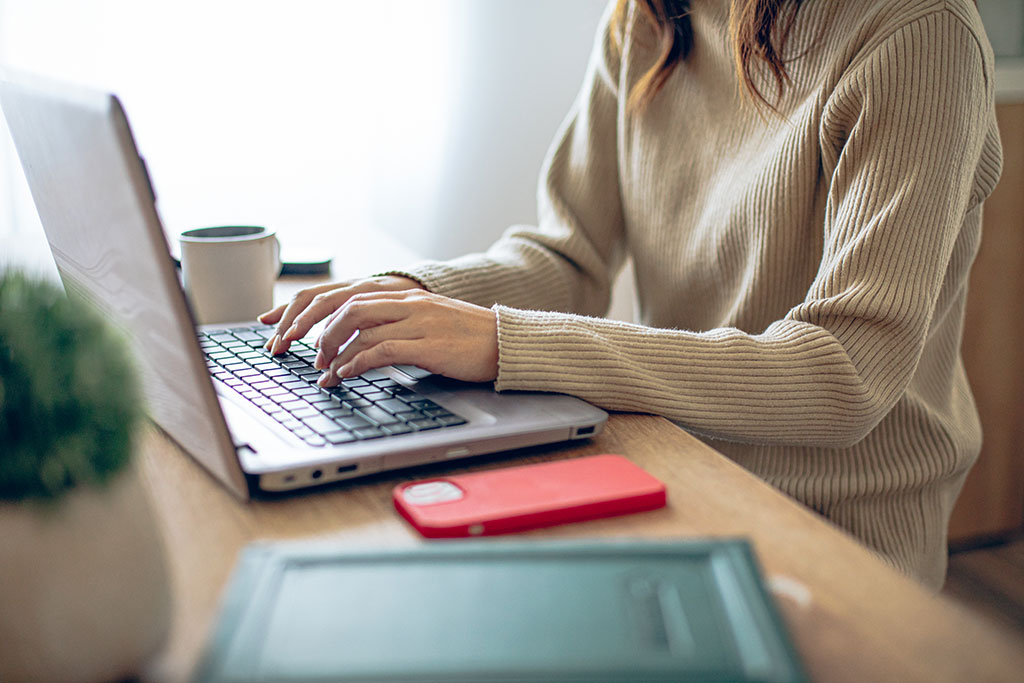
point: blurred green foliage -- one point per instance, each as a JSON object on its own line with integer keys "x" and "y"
{"x": 70, "y": 402}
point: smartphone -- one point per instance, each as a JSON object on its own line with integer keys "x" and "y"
{"x": 527, "y": 497}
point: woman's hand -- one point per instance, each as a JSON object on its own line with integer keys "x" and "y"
{"x": 412, "y": 327}
{"x": 310, "y": 306}
{"x": 393, "y": 321}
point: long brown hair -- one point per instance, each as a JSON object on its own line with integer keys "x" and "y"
{"x": 753, "y": 28}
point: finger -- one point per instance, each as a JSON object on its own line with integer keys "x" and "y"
{"x": 363, "y": 340}
{"x": 271, "y": 316}
{"x": 298, "y": 303}
{"x": 321, "y": 306}
{"x": 363, "y": 288}
{"x": 387, "y": 352}
{"x": 359, "y": 313}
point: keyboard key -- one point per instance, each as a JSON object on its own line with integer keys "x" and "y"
{"x": 353, "y": 422}
{"x": 450, "y": 420}
{"x": 371, "y": 375}
{"x": 325, "y": 403}
{"x": 392, "y": 405}
{"x": 397, "y": 428}
{"x": 377, "y": 415}
{"x": 320, "y": 424}
{"x": 342, "y": 394}
{"x": 291, "y": 406}
{"x": 338, "y": 412}
{"x": 221, "y": 337}
{"x": 424, "y": 423}
{"x": 306, "y": 391}
{"x": 294, "y": 384}
{"x": 247, "y": 336}
{"x": 339, "y": 437}
{"x": 358, "y": 403}
{"x": 376, "y": 396}
{"x": 413, "y": 371}
{"x": 367, "y": 433}
{"x": 303, "y": 413}
{"x": 423, "y": 404}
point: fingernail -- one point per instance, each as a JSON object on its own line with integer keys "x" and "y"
{"x": 291, "y": 331}
{"x": 318, "y": 362}
{"x": 324, "y": 379}
{"x": 344, "y": 370}
{"x": 275, "y": 347}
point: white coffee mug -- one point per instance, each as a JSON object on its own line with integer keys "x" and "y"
{"x": 229, "y": 271}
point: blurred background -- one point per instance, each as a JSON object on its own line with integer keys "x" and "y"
{"x": 425, "y": 120}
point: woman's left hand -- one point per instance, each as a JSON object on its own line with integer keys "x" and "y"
{"x": 413, "y": 327}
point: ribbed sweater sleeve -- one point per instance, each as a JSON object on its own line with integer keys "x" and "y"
{"x": 567, "y": 262}
{"x": 905, "y": 130}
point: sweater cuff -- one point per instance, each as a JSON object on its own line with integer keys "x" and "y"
{"x": 440, "y": 278}
{"x": 543, "y": 351}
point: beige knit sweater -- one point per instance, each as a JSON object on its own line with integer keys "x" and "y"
{"x": 801, "y": 277}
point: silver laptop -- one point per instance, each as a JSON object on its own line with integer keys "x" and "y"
{"x": 255, "y": 422}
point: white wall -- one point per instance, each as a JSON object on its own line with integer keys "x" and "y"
{"x": 427, "y": 120}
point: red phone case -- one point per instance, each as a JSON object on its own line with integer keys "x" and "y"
{"x": 526, "y": 497}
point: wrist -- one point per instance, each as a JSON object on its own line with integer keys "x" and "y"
{"x": 399, "y": 280}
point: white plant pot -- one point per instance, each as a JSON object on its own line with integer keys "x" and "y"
{"x": 84, "y": 588}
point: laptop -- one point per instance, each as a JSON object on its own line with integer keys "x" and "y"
{"x": 255, "y": 422}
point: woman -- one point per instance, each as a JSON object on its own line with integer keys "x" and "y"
{"x": 799, "y": 185}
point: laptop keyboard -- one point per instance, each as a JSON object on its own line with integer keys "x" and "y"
{"x": 370, "y": 406}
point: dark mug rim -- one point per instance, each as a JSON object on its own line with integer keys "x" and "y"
{"x": 225, "y": 233}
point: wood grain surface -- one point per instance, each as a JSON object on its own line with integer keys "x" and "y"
{"x": 851, "y": 616}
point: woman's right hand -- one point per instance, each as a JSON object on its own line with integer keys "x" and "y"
{"x": 310, "y": 306}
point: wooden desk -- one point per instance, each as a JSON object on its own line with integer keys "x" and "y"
{"x": 851, "y": 616}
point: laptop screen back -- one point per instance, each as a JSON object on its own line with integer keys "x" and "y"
{"x": 96, "y": 206}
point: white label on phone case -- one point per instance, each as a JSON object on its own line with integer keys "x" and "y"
{"x": 431, "y": 492}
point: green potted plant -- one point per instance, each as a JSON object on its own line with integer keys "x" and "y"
{"x": 84, "y": 593}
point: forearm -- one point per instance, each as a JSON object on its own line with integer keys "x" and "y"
{"x": 794, "y": 384}
{"x": 522, "y": 270}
